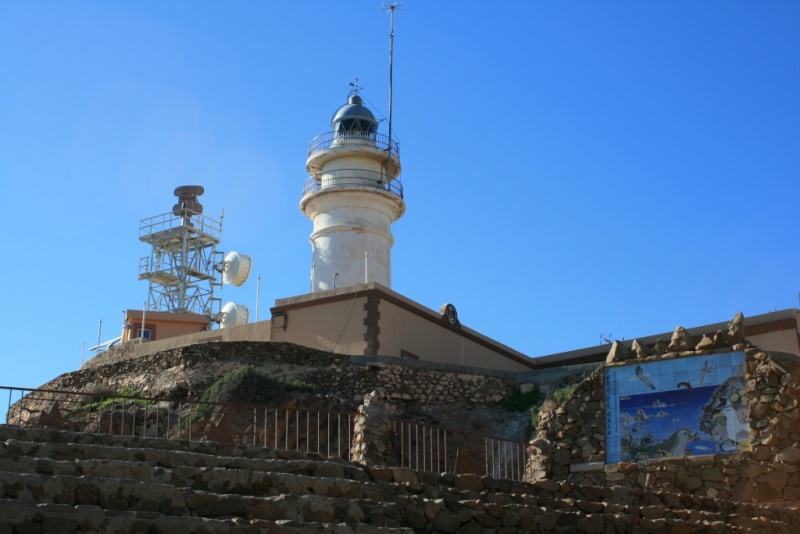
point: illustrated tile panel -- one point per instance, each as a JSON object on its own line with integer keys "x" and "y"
{"x": 655, "y": 409}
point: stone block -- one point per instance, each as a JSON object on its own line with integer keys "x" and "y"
{"x": 447, "y": 522}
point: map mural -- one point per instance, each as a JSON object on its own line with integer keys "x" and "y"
{"x": 678, "y": 407}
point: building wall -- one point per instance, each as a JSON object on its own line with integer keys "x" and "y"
{"x": 259, "y": 331}
{"x": 335, "y": 325}
{"x": 777, "y": 331}
{"x": 367, "y": 319}
{"x": 162, "y": 325}
{"x": 780, "y": 335}
{"x": 370, "y": 319}
{"x": 404, "y": 333}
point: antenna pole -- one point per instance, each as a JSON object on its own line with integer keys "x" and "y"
{"x": 258, "y": 294}
{"x": 99, "y": 335}
{"x": 144, "y": 312}
{"x": 391, "y": 57}
{"x": 391, "y": 8}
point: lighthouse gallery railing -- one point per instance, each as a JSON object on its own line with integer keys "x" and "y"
{"x": 330, "y": 139}
{"x": 343, "y": 178}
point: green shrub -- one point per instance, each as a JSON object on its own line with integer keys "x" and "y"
{"x": 113, "y": 399}
{"x": 534, "y": 424}
{"x": 518, "y": 401}
{"x": 249, "y": 385}
{"x": 559, "y": 396}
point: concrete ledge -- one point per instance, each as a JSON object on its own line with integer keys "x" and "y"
{"x": 589, "y": 466}
{"x": 541, "y": 376}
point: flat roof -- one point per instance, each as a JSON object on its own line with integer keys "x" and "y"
{"x": 757, "y": 324}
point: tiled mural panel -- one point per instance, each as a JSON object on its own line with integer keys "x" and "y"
{"x": 677, "y": 407}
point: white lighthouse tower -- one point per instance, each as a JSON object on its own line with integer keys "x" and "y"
{"x": 353, "y": 196}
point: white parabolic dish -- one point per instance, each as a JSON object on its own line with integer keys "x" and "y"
{"x": 233, "y": 314}
{"x": 236, "y": 268}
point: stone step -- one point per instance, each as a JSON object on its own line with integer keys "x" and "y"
{"x": 406, "y": 510}
{"x": 263, "y": 483}
{"x": 132, "y": 495}
{"x": 763, "y": 525}
{"x": 216, "y": 480}
{"x": 67, "y": 442}
{"x": 53, "y": 436}
{"x": 262, "y": 488}
{"x": 56, "y": 444}
{"x": 260, "y": 483}
{"x": 762, "y": 517}
{"x": 177, "y": 458}
{"x": 18, "y": 516}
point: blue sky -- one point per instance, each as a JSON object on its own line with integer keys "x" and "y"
{"x": 572, "y": 170}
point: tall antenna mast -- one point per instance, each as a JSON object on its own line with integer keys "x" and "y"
{"x": 391, "y": 8}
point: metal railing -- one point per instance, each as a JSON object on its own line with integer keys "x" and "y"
{"x": 320, "y": 431}
{"x": 344, "y": 178}
{"x": 425, "y": 447}
{"x": 168, "y": 221}
{"x": 417, "y": 446}
{"x": 333, "y": 139}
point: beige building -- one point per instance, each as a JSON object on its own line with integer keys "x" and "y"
{"x": 365, "y": 319}
{"x": 352, "y": 196}
{"x": 154, "y": 325}
{"x": 369, "y": 319}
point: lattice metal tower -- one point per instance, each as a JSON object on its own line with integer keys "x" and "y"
{"x": 183, "y": 268}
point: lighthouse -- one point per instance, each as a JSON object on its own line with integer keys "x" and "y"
{"x": 352, "y": 196}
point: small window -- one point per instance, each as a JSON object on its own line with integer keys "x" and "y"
{"x": 143, "y": 333}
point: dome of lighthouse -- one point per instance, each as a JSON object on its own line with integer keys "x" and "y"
{"x": 354, "y": 118}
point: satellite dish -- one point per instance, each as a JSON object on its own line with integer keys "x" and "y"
{"x": 236, "y": 268}
{"x": 233, "y": 315}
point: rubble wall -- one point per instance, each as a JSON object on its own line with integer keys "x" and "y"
{"x": 186, "y": 372}
{"x": 571, "y": 444}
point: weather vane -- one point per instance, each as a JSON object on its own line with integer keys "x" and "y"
{"x": 391, "y": 7}
{"x": 355, "y": 86}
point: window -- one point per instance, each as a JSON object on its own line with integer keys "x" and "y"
{"x": 143, "y": 333}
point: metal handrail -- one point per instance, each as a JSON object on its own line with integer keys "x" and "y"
{"x": 418, "y": 446}
{"x": 294, "y": 429}
{"x": 345, "y": 178}
{"x": 425, "y": 447}
{"x": 331, "y": 139}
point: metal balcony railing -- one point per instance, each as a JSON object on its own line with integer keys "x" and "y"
{"x": 332, "y": 139}
{"x": 437, "y": 449}
{"x": 348, "y": 178}
{"x": 324, "y": 432}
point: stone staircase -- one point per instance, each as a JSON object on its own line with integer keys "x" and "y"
{"x": 65, "y": 482}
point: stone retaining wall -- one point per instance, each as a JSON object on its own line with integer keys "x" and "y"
{"x": 52, "y": 481}
{"x": 187, "y": 371}
{"x": 571, "y": 443}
